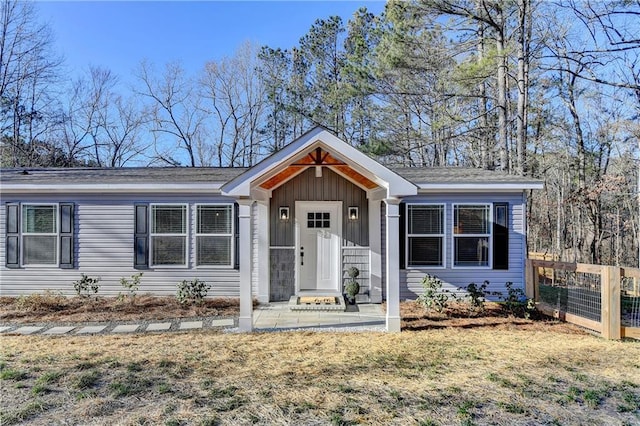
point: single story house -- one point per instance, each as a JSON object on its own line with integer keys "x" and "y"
{"x": 291, "y": 225}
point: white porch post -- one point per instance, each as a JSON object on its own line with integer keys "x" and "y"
{"x": 393, "y": 265}
{"x": 263, "y": 251}
{"x": 245, "y": 322}
{"x": 375, "y": 251}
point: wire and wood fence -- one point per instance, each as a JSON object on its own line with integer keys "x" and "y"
{"x": 605, "y": 299}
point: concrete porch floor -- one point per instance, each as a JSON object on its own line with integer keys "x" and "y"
{"x": 278, "y": 316}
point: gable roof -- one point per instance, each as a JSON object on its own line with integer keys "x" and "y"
{"x": 355, "y": 164}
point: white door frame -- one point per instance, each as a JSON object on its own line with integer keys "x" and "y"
{"x": 299, "y": 205}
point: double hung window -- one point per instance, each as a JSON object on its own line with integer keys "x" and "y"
{"x": 214, "y": 233}
{"x": 471, "y": 234}
{"x": 39, "y": 234}
{"x": 425, "y": 235}
{"x": 168, "y": 235}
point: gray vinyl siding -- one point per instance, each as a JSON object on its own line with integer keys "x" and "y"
{"x": 454, "y": 278}
{"x": 330, "y": 187}
{"x": 104, "y": 228}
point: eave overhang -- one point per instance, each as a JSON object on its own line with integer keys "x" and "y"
{"x": 97, "y": 188}
{"x": 319, "y": 148}
{"x": 479, "y": 187}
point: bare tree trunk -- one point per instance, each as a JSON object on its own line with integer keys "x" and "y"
{"x": 482, "y": 93}
{"x": 522, "y": 77}
{"x": 503, "y": 140}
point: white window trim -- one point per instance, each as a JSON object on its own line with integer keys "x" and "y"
{"x": 454, "y": 236}
{"x": 231, "y": 236}
{"x": 56, "y": 264}
{"x": 442, "y": 235}
{"x": 185, "y": 235}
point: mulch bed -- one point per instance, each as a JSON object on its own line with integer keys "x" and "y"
{"x": 50, "y": 307}
{"x": 460, "y": 315}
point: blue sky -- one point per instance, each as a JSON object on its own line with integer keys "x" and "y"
{"x": 119, "y": 34}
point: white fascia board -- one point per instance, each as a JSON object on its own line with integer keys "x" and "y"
{"x": 206, "y": 188}
{"x": 396, "y": 185}
{"x": 479, "y": 187}
{"x": 240, "y": 186}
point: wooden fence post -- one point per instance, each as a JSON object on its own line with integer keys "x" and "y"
{"x": 610, "y": 302}
{"x": 529, "y": 280}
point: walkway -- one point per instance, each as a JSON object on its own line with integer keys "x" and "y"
{"x": 272, "y": 317}
{"x": 278, "y": 316}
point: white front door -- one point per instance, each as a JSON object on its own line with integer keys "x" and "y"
{"x": 318, "y": 243}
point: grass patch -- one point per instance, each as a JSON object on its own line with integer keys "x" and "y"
{"x": 49, "y": 377}
{"x": 86, "y": 380}
{"x": 13, "y": 374}
{"x": 24, "y": 412}
{"x": 512, "y": 408}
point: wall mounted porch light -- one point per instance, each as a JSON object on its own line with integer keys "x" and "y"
{"x": 353, "y": 213}
{"x": 283, "y": 213}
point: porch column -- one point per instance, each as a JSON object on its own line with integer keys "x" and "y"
{"x": 375, "y": 250}
{"x": 262, "y": 213}
{"x": 245, "y": 322}
{"x": 393, "y": 265}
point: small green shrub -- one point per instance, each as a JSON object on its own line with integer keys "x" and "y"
{"x": 433, "y": 296}
{"x": 516, "y": 303}
{"x": 192, "y": 292}
{"x": 477, "y": 295}
{"x": 353, "y": 272}
{"x": 86, "y": 285}
{"x": 352, "y": 288}
{"x": 130, "y": 285}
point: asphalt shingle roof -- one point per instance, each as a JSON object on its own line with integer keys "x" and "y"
{"x": 221, "y": 175}
{"x": 130, "y": 175}
{"x": 439, "y": 175}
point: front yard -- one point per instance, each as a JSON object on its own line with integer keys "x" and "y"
{"x": 505, "y": 373}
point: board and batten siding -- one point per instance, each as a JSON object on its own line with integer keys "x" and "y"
{"x": 456, "y": 278}
{"x": 330, "y": 187}
{"x": 104, "y": 228}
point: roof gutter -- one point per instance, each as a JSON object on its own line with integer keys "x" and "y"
{"x": 153, "y": 188}
{"x": 479, "y": 187}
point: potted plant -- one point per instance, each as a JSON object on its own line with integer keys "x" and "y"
{"x": 352, "y": 288}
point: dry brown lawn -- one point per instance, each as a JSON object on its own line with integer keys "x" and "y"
{"x": 488, "y": 372}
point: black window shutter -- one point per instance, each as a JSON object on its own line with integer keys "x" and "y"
{"x": 501, "y": 236}
{"x": 403, "y": 234}
{"x": 67, "y": 236}
{"x": 236, "y": 237}
{"x": 141, "y": 237}
{"x": 12, "y": 247}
